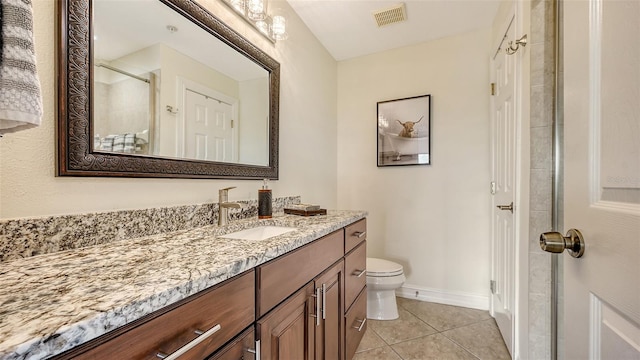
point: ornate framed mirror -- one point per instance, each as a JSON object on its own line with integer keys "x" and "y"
{"x": 182, "y": 96}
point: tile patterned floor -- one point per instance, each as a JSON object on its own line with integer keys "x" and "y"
{"x": 433, "y": 331}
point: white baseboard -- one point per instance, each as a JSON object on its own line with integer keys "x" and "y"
{"x": 474, "y": 301}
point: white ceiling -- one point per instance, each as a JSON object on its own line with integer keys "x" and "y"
{"x": 347, "y": 28}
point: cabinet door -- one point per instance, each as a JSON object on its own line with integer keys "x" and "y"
{"x": 330, "y": 332}
{"x": 288, "y": 331}
{"x": 241, "y": 348}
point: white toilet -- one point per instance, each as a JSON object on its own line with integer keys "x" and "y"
{"x": 383, "y": 278}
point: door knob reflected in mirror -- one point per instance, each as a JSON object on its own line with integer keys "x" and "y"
{"x": 554, "y": 242}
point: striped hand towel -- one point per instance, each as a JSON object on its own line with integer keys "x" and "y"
{"x": 20, "y": 95}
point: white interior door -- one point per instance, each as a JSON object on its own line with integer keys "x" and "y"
{"x": 208, "y": 128}
{"x": 504, "y": 187}
{"x": 602, "y": 178}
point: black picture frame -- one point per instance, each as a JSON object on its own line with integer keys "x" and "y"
{"x": 404, "y": 131}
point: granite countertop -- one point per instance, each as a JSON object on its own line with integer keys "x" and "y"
{"x": 54, "y": 302}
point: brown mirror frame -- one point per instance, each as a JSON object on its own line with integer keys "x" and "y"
{"x": 75, "y": 108}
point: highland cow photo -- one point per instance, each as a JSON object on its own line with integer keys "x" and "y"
{"x": 404, "y": 131}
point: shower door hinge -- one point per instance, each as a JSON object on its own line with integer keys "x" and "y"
{"x": 492, "y": 285}
{"x": 493, "y": 88}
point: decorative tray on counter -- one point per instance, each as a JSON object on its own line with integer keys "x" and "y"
{"x": 305, "y": 212}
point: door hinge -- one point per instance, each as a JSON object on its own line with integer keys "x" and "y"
{"x": 232, "y": 123}
{"x": 493, "y": 88}
{"x": 493, "y": 188}
{"x": 492, "y": 286}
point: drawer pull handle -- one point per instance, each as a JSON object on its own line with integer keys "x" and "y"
{"x": 256, "y": 351}
{"x": 202, "y": 336}
{"x": 318, "y": 298}
{"x": 359, "y": 273}
{"x": 362, "y": 322}
{"x": 360, "y": 234}
{"x": 324, "y": 301}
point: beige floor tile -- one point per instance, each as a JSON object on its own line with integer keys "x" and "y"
{"x": 443, "y": 317}
{"x": 383, "y": 353}
{"x": 429, "y": 347}
{"x": 370, "y": 340}
{"x": 482, "y": 339}
{"x": 406, "y": 327}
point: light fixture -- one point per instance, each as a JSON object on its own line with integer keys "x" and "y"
{"x": 256, "y": 10}
{"x": 279, "y": 27}
{"x": 272, "y": 26}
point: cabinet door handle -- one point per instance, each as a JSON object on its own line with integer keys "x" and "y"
{"x": 360, "y": 234}
{"x": 256, "y": 351}
{"x": 359, "y": 273}
{"x": 202, "y": 336}
{"x": 318, "y": 298}
{"x": 362, "y": 322}
{"x": 324, "y": 301}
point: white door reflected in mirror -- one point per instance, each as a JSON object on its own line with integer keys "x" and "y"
{"x": 146, "y": 55}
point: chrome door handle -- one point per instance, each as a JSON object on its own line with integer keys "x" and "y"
{"x": 362, "y": 322}
{"x": 359, "y": 273}
{"x": 317, "y": 315}
{"x": 256, "y": 351}
{"x": 554, "y": 242}
{"x": 324, "y": 301}
{"x": 506, "y": 207}
{"x": 202, "y": 336}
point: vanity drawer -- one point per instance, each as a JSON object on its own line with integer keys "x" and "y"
{"x": 356, "y": 325}
{"x": 355, "y": 234}
{"x": 230, "y": 305}
{"x": 355, "y": 266}
{"x": 279, "y": 278}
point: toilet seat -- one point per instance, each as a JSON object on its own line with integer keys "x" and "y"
{"x": 383, "y": 268}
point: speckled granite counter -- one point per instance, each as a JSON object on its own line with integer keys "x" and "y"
{"x": 54, "y": 302}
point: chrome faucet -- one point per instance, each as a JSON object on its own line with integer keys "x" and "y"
{"x": 224, "y": 205}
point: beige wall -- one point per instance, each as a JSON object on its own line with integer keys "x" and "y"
{"x": 432, "y": 219}
{"x": 28, "y": 186}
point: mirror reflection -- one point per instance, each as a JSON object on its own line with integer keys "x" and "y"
{"x": 164, "y": 87}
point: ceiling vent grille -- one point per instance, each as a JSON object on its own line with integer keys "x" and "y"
{"x": 391, "y": 15}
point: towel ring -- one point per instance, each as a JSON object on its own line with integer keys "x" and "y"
{"x": 512, "y": 50}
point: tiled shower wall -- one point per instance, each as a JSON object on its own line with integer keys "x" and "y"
{"x": 542, "y": 40}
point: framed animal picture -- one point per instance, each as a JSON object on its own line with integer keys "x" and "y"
{"x": 404, "y": 131}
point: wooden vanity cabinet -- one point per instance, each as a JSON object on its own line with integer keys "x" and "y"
{"x": 307, "y": 304}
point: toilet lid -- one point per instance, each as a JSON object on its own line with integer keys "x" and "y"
{"x": 381, "y": 267}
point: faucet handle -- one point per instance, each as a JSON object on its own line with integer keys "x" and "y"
{"x": 223, "y": 194}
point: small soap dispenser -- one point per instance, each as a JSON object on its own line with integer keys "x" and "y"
{"x": 264, "y": 201}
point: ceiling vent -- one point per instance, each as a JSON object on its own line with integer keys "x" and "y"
{"x": 391, "y": 15}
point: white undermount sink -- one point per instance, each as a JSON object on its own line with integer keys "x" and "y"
{"x": 258, "y": 233}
